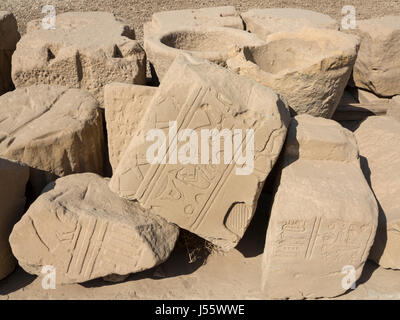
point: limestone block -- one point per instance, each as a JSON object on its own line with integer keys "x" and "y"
{"x": 264, "y": 22}
{"x": 13, "y": 179}
{"x": 87, "y": 50}
{"x": 379, "y": 142}
{"x": 211, "y": 43}
{"x": 213, "y": 199}
{"x": 310, "y": 68}
{"x": 124, "y": 105}
{"x": 54, "y": 130}
{"x": 225, "y": 16}
{"x": 9, "y": 36}
{"x": 86, "y": 231}
{"x": 324, "y": 215}
{"x": 377, "y": 68}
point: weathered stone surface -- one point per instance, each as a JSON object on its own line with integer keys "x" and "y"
{"x": 86, "y": 231}
{"x": 87, "y": 50}
{"x": 9, "y": 37}
{"x": 379, "y": 142}
{"x": 264, "y": 22}
{"x": 394, "y": 109}
{"x": 211, "y": 43}
{"x": 378, "y": 63}
{"x": 225, "y": 16}
{"x": 356, "y": 105}
{"x": 124, "y": 105}
{"x": 54, "y": 130}
{"x": 215, "y": 201}
{"x": 310, "y": 68}
{"x": 13, "y": 179}
{"x": 324, "y": 215}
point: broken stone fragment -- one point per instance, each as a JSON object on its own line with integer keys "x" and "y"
{"x": 394, "y": 109}
{"x": 124, "y": 106}
{"x": 377, "y": 68}
{"x": 214, "y": 199}
{"x": 379, "y": 141}
{"x": 211, "y": 43}
{"x": 225, "y": 16}
{"x": 324, "y": 215}
{"x": 85, "y": 231}
{"x": 264, "y": 22}
{"x": 54, "y": 130}
{"x": 13, "y": 179}
{"x": 9, "y": 36}
{"x": 310, "y": 68}
{"x": 87, "y": 50}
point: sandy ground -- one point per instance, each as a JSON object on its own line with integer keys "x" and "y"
{"x": 236, "y": 275}
{"x": 136, "y": 12}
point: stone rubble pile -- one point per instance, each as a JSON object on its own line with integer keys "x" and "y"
{"x": 319, "y": 106}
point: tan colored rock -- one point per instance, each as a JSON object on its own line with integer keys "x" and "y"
{"x": 213, "y": 200}
{"x": 87, "y": 50}
{"x": 9, "y": 37}
{"x": 310, "y": 68}
{"x": 377, "y": 68}
{"x": 264, "y": 22}
{"x": 324, "y": 215}
{"x": 54, "y": 130}
{"x": 85, "y": 231}
{"x": 13, "y": 179}
{"x": 394, "y": 109}
{"x": 225, "y": 16}
{"x": 124, "y": 105}
{"x": 211, "y": 43}
{"x": 379, "y": 142}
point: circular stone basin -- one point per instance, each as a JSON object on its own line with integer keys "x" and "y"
{"x": 214, "y": 40}
{"x": 286, "y": 54}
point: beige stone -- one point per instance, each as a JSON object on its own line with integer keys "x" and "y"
{"x": 379, "y": 142}
{"x": 86, "y": 231}
{"x": 215, "y": 201}
{"x": 324, "y": 215}
{"x": 9, "y": 37}
{"x": 310, "y": 68}
{"x": 394, "y": 109}
{"x": 264, "y": 22}
{"x": 87, "y": 50}
{"x": 124, "y": 105}
{"x": 225, "y": 16}
{"x": 54, "y": 130}
{"x": 13, "y": 179}
{"x": 211, "y": 43}
{"x": 377, "y": 68}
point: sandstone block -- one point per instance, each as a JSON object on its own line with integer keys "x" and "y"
{"x": 225, "y": 16}
{"x": 13, "y": 179}
{"x": 310, "y": 68}
{"x": 87, "y": 50}
{"x": 379, "y": 142}
{"x": 124, "y": 105}
{"x": 86, "y": 231}
{"x": 264, "y": 22}
{"x": 211, "y": 43}
{"x": 377, "y": 68}
{"x": 324, "y": 215}
{"x": 56, "y": 131}
{"x": 215, "y": 199}
{"x": 9, "y": 37}
{"x": 394, "y": 109}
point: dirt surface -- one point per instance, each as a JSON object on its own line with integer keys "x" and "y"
{"x": 136, "y": 12}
